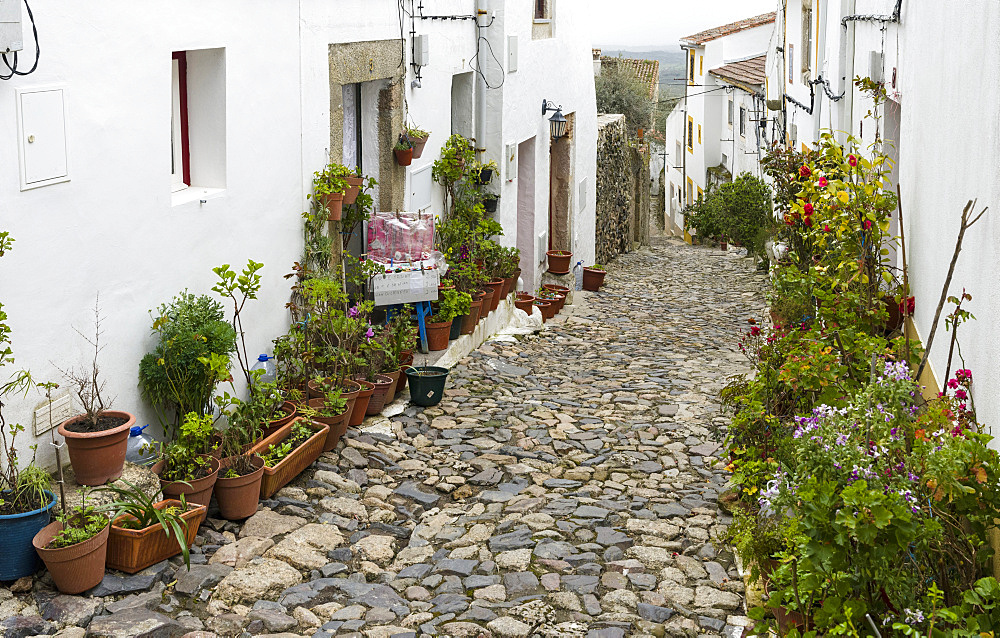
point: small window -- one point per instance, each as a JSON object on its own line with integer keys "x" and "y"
{"x": 743, "y": 121}
{"x": 691, "y": 67}
{"x": 730, "y": 113}
{"x": 701, "y": 65}
{"x": 680, "y": 155}
{"x": 690, "y": 134}
{"x": 699, "y": 133}
{"x": 807, "y": 36}
{"x": 701, "y": 193}
{"x": 180, "y": 154}
{"x": 791, "y": 64}
{"x": 542, "y": 10}
{"x": 690, "y": 190}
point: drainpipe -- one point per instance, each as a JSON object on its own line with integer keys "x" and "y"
{"x": 684, "y": 134}
{"x": 847, "y": 70}
{"x": 482, "y": 19}
{"x": 818, "y": 67}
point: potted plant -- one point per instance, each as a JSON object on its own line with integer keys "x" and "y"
{"x": 523, "y": 301}
{"x": 354, "y": 183}
{"x": 460, "y": 305}
{"x": 554, "y": 298}
{"x": 145, "y": 531}
{"x": 173, "y": 377}
{"x": 329, "y": 186}
{"x": 331, "y": 409}
{"x": 74, "y": 548}
{"x": 401, "y": 335}
{"x": 25, "y": 499}
{"x": 374, "y": 353}
{"x": 439, "y": 324}
{"x": 508, "y": 262}
{"x": 403, "y": 151}
{"x": 426, "y": 384}
{"x": 288, "y": 451}
{"x": 546, "y": 308}
{"x": 593, "y": 277}
{"x": 485, "y": 173}
{"x": 559, "y": 261}
{"x": 98, "y": 438}
{"x": 419, "y": 139}
{"x": 186, "y": 466}
{"x": 490, "y": 202}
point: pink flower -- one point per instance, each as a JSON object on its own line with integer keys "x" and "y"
{"x": 963, "y": 374}
{"x": 823, "y": 182}
{"x": 868, "y": 224}
{"x": 808, "y": 208}
{"x": 952, "y": 383}
{"x": 352, "y": 312}
{"x": 805, "y": 172}
{"x": 961, "y": 394}
{"x": 852, "y": 160}
{"x": 826, "y": 228}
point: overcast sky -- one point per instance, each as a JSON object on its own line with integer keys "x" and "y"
{"x": 660, "y": 23}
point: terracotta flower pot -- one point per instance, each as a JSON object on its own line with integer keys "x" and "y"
{"x": 437, "y": 335}
{"x": 334, "y": 203}
{"x": 197, "y": 491}
{"x": 497, "y": 287}
{"x": 524, "y": 303}
{"x": 353, "y": 189}
{"x": 508, "y": 285}
{"x": 405, "y": 361}
{"x": 562, "y": 290}
{"x": 297, "y": 460}
{"x": 556, "y": 299}
{"x": 487, "y": 303}
{"x": 404, "y": 157}
{"x": 559, "y": 261}
{"x": 546, "y": 308}
{"x": 337, "y": 424}
{"x": 361, "y": 404}
{"x": 76, "y": 568}
{"x": 98, "y": 457}
{"x": 390, "y": 394}
{"x": 288, "y": 413}
{"x": 418, "y": 145}
{"x": 593, "y": 279}
{"x": 471, "y": 319}
{"x": 382, "y": 384}
{"x": 133, "y": 550}
{"x": 238, "y": 496}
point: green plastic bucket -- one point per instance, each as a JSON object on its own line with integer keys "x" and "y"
{"x": 426, "y": 384}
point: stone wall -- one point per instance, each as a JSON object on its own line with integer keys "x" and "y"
{"x": 615, "y": 192}
{"x": 623, "y": 196}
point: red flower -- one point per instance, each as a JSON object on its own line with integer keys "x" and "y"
{"x": 911, "y": 303}
{"x": 826, "y": 228}
{"x": 808, "y": 208}
{"x": 852, "y": 160}
{"x": 952, "y": 383}
{"x": 868, "y": 224}
{"x": 755, "y": 330}
{"x": 823, "y": 182}
{"x": 805, "y": 172}
{"x": 808, "y": 221}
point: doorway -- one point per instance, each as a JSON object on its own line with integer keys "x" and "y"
{"x": 560, "y": 189}
{"x": 890, "y": 147}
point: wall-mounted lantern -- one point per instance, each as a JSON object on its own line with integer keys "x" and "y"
{"x": 557, "y": 123}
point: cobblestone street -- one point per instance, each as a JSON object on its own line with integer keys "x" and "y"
{"x": 565, "y": 486}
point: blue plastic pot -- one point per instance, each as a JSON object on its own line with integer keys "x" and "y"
{"x": 19, "y": 557}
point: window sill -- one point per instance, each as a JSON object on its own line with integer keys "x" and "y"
{"x": 542, "y": 20}
{"x": 195, "y": 194}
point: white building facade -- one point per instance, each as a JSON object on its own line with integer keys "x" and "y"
{"x": 100, "y": 202}
{"x": 704, "y": 140}
{"x": 941, "y": 131}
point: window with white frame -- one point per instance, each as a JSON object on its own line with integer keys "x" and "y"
{"x": 543, "y": 10}
{"x": 807, "y": 37}
{"x": 197, "y": 124}
{"x": 743, "y": 121}
{"x": 180, "y": 158}
{"x": 730, "y": 112}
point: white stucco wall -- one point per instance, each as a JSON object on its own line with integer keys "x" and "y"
{"x": 113, "y": 229}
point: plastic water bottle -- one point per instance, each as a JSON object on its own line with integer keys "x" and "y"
{"x": 578, "y": 273}
{"x": 140, "y": 450}
{"x": 266, "y": 364}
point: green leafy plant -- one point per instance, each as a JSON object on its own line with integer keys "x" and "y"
{"x": 403, "y": 144}
{"x": 133, "y": 509}
{"x": 277, "y": 452}
{"x": 619, "y": 90}
{"x": 739, "y": 210}
{"x": 79, "y": 524}
{"x": 452, "y": 304}
{"x": 172, "y": 376}
{"x": 415, "y": 133}
{"x": 185, "y": 458}
{"x": 330, "y": 180}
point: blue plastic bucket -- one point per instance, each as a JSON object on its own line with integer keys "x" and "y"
{"x": 19, "y": 557}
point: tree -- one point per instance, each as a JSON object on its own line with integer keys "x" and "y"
{"x": 739, "y": 210}
{"x": 619, "y": 90}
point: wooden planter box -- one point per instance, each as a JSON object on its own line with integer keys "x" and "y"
{"x": 292, "y": 465}
{"x": 133, "y": 550}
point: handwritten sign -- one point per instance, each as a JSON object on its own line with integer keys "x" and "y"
{"x": 406, "y": 287}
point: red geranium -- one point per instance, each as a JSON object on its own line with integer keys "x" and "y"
{"x": 852, "y": 160}
{"x": 808, "y": 208}
{"x": 805, "y": 172}
{"x": 823, "y": 182}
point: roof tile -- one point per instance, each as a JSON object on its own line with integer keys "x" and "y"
{"x": 728, "y": 29}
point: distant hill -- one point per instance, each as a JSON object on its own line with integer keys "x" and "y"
{"x": 672, "y": 67}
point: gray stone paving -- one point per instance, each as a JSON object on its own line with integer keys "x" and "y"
{"x": 568, "y": 491}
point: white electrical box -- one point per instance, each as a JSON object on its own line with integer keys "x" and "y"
{"x": 511, "y": 53}
{"x": 511, "y": 157}
{"x": 11, "y": 36}
{"x": 542, "y": 246}
{"x": 875, "y": 66}
{"x": 42, "y": 140}
{"x": 420, "y": 188}
{"x": 421, "y": 50}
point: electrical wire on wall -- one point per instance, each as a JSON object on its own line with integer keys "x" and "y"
{"x": 11, "y": 62}
{"x": 480, "y": 38}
